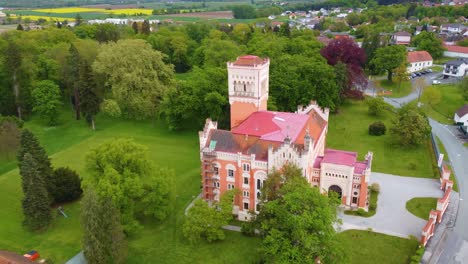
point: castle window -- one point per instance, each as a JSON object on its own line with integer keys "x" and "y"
{"x": 230, "y": 186}
{"x": 354, "y": 200}
{"x": 258, "y": 195}
{"x": 246, "y": 167}
{"x": 216, "y": 170}
{"x": 246, "y": 206}
{"x": 246, "y": 180}
{"x": 230, "y": 173}
{"x": 245, "y": 87}
{"x": 246, "y": 194}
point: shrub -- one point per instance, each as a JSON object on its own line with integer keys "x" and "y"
{"x": 67, "y": 185}
{"x": 372, "y": 206}
{"x": 375, "y": 187}
{"x": 376, "y": 106}
{"x": 248, "y": 228}
{"x": 361, "y": 212}
{"x": 377, "y": 128}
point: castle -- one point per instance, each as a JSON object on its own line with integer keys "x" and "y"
{"x": 262, "y": 140}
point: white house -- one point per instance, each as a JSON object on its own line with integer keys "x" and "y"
{"x": 454, "y": 51}
{"x": 401, "y": 38}
{"x": 452, "y": 28}
{"x": 456, "y": 68}
{"x": 418, "y": 60}
{"x": 461, "y": 118}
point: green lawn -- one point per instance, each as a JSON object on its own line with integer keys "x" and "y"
{"x": 397, "y": 90}
{"x": 421, "y": 206}
{"x": 451, "y": 100}
{"x": 373, "y": 200}
{"x": 437, "y": 68}
{"x": 443, "y": 60}
{"x": 443, "y": 151}
{"x": 348, "y": 130}
{"x": 369, "y": 247}
{"x": 160, "y": 242}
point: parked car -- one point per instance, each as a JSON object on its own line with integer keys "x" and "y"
{"x": 413, "y": 75}
{"x": 429, "y": 70}
{"x": 436, "y": 82}
{"x": 418, "y": 74}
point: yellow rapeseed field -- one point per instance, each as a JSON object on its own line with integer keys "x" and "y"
{"x": 35, "y": 18}
{"x": 128, "y": 11}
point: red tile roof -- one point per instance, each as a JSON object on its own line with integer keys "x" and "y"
{"x": 402, "y": 34}
{"x": 458, "y": 49}
{"x": 273, "y": 126}
{"x": 418, "y": 56}
{"x": 249, "y": 60}
{"x": 339, "y": 157}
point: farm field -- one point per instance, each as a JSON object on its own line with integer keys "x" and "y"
{"x": 67, "y": 145}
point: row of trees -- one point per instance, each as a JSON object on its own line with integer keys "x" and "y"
{"x": 296, "y": 222}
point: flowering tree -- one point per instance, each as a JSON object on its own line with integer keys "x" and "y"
{"x": 346, "y": 51}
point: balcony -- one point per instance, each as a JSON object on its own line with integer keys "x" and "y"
{"x": 243, "y": 94}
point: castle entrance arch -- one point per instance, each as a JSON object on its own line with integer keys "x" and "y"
{"x": 335, "y": 188}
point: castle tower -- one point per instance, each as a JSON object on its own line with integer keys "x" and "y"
{"x": 248, "y": 87}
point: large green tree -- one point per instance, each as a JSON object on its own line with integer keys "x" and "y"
{"x": 90, "y": 96}
{"x": 36, "y": 210}
{"x": 30, "y": 144}
{"x": 72, "y": 77}
{"x": 410, "y": 127}
{"x": 103, "y": 239}
{"x": 388, "y": 58}
{"x": 429, "y": 42}
{"x": 120, "y": 170}
{"x": 13, "y": 62}
{"x": 298, "y": 224}
{"x": 136, "y": 76}
{"x": 47, "y": 100}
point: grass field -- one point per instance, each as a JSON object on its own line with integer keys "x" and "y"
{"x": 395, "y": 88}
{"x": 348, "y": 130}
{"x": 370, "y": 248}
{"x": 421, "y": 206}
{"x": 68, "y": 145}
{"x": 451, "y": 100}
{"x": 443, "y": 151}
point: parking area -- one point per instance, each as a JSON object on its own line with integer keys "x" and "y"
{"x": 391, "y": 217}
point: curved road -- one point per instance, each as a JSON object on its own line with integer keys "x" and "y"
{"x": 455, "y": 244}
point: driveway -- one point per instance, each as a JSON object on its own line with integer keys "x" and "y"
{"x": 391, "y": 217}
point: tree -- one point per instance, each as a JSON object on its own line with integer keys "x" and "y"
{"x": 401, "y": 73}
{"x": 110, "y": 108}
{"x": 370, "y": 44}
{"x": 376, "y": 106}
{"x": 121, "y": 171}
{"x": 431, "y": 95}
{"x": 135, "y": 27}
{"x": 244, "y": 11}
{"x": 145, "y": 27}
{"x": 30, "y": 144}
{"x": 388, "y": 58}
{"x": 10, "y": 131}
{"x": 20, "y": 27}
{"x": 103, "y": 238}
{"x": 106, "y": 33}
{"x": 411, "y": 127}
{"x": 13, "y": 62}
{"x": 205, "y": 221}
{"x": 67, "y": 185}
{"x": 346, "y": 51}
{"x": 429, "y": 42}
{"x": 46, "y": 95}
{"x": 463, "y": 86}
{"x": 90, "y": 101}
{"x": 297, "y": 224}
{"x": 72, "y": 77}
{"x": 241, "y": 33}
{"x": 78, "y": 19}
{"x": 136, "y": 75}
{"x": 36, "y": 210}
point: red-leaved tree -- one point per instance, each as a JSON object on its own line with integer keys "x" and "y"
{"x": 347, "y": 51}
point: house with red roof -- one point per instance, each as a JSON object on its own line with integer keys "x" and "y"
{"x": 261, "y": 141}
{"x": 401, "y": 38}
{"x": 454, "y": 51}
{"x": 418, "y": 60}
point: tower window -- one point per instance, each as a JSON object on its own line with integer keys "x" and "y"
{"x": 245, "y": 87}
{"x": 246, "y": 167}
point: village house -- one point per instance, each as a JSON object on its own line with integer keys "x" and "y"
{"x": 261, "y": 141}
{"x": 418, "y": 60}
{"x": 454, "y": 51}
{"x": 456, "y": 68}
{"x": 401, "y": 38}
{"x": 461, "y": 118}
{"x": 452, "y": 28}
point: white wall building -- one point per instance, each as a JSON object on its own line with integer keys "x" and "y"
{"x": 418, "y": 60}
{"x": 456, "y": 68}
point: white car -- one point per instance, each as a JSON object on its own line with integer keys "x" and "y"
{"x": 436, "y": 82}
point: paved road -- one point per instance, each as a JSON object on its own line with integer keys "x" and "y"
{"x": 392, "y": 218}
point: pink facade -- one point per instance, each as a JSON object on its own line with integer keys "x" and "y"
{"x": 261, "y": 141}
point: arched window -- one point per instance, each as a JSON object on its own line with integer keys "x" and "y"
{"x": 245, "y": 87}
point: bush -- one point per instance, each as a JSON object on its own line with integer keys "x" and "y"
{"x": 376, "y": 106}
{"x": 248, "y": 228}
{"x": 67, "y": 185}
{"x": 412, "y": 166}
{"x": 372, "y": 206}
{"x": 377, "y": 128}
{"x": 375, "y": 187}
{"x": 361, "y": 212}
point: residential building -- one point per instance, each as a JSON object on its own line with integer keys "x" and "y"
{"x": 261, "y": 141}
{"x": 418, "y": 60}
{"x": 456, "y": 68}
{"x": 454, "y": 51}
{"x": 461, "y": 118}
{"x": 456, "y": 28}
{"x": 401, "y": 38}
